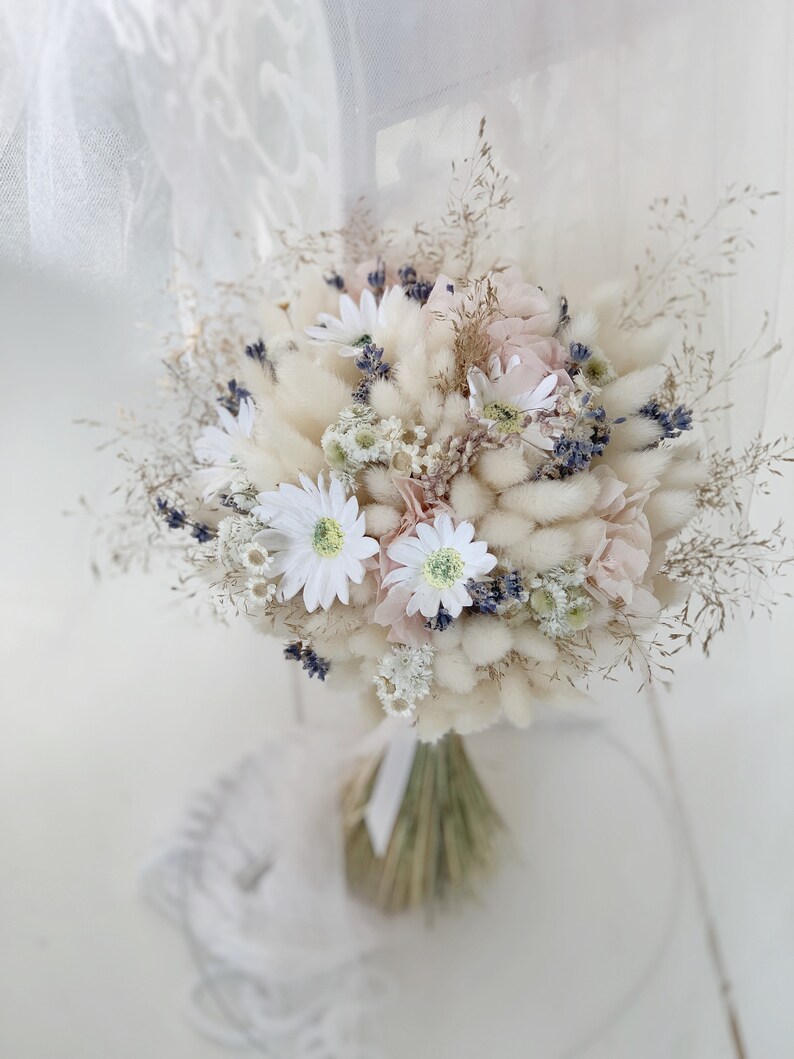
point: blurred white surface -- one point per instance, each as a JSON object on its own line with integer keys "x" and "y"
{"x": 117, "y": 703}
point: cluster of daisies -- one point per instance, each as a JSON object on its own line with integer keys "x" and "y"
{"x": 453, "y": 494}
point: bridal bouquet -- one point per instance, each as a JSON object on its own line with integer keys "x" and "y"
{"x": 444, "y": 487}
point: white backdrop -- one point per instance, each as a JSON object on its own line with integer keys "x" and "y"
{"x": 131, "y": 129}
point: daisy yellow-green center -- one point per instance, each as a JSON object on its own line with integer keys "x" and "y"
{"x": 508, "y": 418}
{"x": 365, "y": 439}
{"x": 443, "y": 568}
{"x": 328, "y": 538}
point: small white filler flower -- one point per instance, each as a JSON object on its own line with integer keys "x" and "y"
{"x": 404, "y": 677}
{"x": 315, "y": 537}
{"x": 255, "y": 557}
{"x": 436, "y": 564}
{"x": 356, "y": 326}
{"x": 217, "y": 448}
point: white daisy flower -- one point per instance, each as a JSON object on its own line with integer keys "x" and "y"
{"x": 598, "y": 370}
{"x": 356, "y": 326}
{"x": 315, "y": 537}
{"x": 218, "y": 447}
{"x": 509, "y": 400}
{"x": 436, "y": 564}
{"x": 407, "y": 460}
{"x": 366, "y": 443}
{"x": 405, "y": 441}
{"x": 256, "y": 557}
{"x": 260, "y": 592}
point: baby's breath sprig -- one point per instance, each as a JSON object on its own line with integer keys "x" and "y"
{"x": 725, "y": 572}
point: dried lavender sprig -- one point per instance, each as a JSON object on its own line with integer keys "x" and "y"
{"x": 175, "y": 518}
{"x": 314, "y": 665}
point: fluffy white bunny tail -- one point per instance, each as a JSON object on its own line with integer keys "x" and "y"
{"x": 434, "y": 718}
{"x": 381, "y": 519}
{"x": 629, "y": 393}
{"x": 583, "y": 327}
{"x": 544, "y": 548}
{"x": 530, "y": 642}
{"x": 685, "y": 473}
{"x": 504, "y": 530}
{"x": 402, "y": 327}
{"x": 669, "y": 510}
{"x": 309, "y": 397}
{"x": 431, "y": 412}
{"x": 442, "y": 362}
{"x": 638, "y": 432}
{"x": 587, "y": 534}
{"x": 453, "y": 421}
{"x": 516, "y": 697}
{"x": 470, "y": 498}
{"x": 545, "y": 502}
{"x": 485, "y": 641}
{"x": 637, "y": 469}
{"x": 412, "y": 374}
{"x": 501, "y": 468}
{"x": 370, "y": 641}
{"x": 606, "y": 300}
{"x": 386, "y": 400}
{"x": 264, "y": 468}
{"x": 453, "y": 671}
{"x": 380, "y": 486}
{"x": 260, "y": 381}
{"x": 477, "y": 711}
{"x": 629, "y": 350}
{"x": 304, "y": 456}
{"x": 363, "y": 595}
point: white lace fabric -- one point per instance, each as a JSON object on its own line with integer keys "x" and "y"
{"x": 253, "y": 879}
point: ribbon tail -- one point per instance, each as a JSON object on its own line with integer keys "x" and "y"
{"x": 389, "y": 788}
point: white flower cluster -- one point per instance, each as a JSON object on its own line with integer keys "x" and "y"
{"x": 241, "y": 494}
{"x": 559, "y": 600}
{"x": 234, "y": 533}
{"x": 238, "y": 549}
{"x": 359, "y": 438}
{"x": 404, "y": 677}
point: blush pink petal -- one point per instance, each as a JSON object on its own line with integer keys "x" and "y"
{"x": 621, "y": 556}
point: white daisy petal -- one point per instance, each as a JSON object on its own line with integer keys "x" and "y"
{"x": 355, "y": 322}
{"x": 464, "y": 534}
{"x": 218, "y": 447}
{"x": 349, "y": 312}
{"x": 428, "y": 535}
{"x": 337, "y": 586}
{"x": 293, "y": 580}
{"x": 429, "y": 601}
{"x": 399, "y": 575}
{"x": 408, "y": 551}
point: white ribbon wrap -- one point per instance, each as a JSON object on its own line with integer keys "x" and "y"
{"x": 389, "y": 787}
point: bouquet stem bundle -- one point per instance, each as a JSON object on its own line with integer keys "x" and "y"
{"x": 443, "y": 838}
